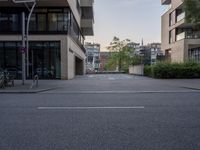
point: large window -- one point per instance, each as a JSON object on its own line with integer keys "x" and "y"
{"x": 170, "y": 37}
{"x": 194, "y": 54}
{"x": 10, "y": 59}
{"x": 172, "y": 17}
{"x": 45, "y": 59}
{"x": 9, "y": 22}
{"x": 53, "y": 21}
{"x": 1, "y": 56}
{"x": 43, "y": 21}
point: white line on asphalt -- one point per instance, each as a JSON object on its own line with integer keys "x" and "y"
{"x": 123, "y": 92}
{"x": 71, "y": 108}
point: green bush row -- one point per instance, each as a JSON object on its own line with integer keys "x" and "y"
{"x": 165, "y": 70}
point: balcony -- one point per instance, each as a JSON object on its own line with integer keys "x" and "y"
{"x": 188, "y": 35}
{"x": 87, "y": 18}
{"x": 180, "y": 36}
{"x": 180, "y": 17}
{"x": 166, "y": 2}
{"x": 86, "y": 3}
{"x": 40, "y": 3}
{"x": 192, "y": 35}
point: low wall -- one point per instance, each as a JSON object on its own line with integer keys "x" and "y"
{"x": 136, "y": 70}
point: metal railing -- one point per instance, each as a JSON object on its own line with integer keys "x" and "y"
{"x": 188, "y": 35}
{"x": 180, "y": 17}
{"x": 192, "y": 35}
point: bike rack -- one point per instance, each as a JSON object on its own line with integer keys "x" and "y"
{"x": 35, "y": 81}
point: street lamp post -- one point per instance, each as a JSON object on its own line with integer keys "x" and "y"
{"x": 25, "y": 34}
{"x": 23, "y": 51}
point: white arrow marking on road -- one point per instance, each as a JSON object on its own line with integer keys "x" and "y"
{"x": 135, "y": 107}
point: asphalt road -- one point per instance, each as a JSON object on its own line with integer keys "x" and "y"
{"x": 100, "y": 121}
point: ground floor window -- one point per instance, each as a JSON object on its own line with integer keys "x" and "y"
{"x": 45, "y": 59}
{"x": 168, "y": 54}
{"x": 194, "y": 54}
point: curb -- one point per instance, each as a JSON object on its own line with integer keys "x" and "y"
{"x": 28, "y": 92}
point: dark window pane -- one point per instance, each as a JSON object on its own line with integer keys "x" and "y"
{"x": 4, "y": 23}
{"x": 11, "y": 58}
{"x": 41, "y": 22}
{"x": 33, "y": 23}
{"x": 40, "y": 10}
{"x": 52, "y": 20}
{"x": 14, "y": 22}
{"x": 60, "y": 22}
{"x": 1, "y": 56}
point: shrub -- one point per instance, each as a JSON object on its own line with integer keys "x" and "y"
{"x": 166, "y": 70}
{"x": 148, "y": 71}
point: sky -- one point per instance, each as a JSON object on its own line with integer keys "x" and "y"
{"x": 132, "y": 19}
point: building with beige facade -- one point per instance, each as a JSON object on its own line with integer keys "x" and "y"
{"x": 57, "y": 32}
{"x": 180, "y": 42}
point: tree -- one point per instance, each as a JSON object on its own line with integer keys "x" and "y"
{"x": 192, "y": 10}
{"x": 120, "y": 54}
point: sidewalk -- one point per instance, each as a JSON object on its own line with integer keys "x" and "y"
{"x": 43, "y": 85}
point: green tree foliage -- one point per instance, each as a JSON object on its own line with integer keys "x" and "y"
{"x": 192, "y": 9}
{"x": 121, "y": 55}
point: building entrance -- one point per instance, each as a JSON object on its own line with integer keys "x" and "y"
{"x": 79, "y": 70}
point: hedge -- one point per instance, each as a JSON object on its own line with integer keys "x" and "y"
{"x": 165, "y": 70}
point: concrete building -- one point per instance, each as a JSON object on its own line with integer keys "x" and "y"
{"x": 57, "y": 32}
{"x": 180, "y": 42}
{"x": 156, "y": 52}
{"x": 150, "y": 52}
{"x": 93, "y": 57}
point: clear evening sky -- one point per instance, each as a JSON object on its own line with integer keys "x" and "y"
{"x": 133, "y": 19}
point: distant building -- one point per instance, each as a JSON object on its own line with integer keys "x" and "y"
{"x": 93, "y": 57}
{"x": 150, "y": 52}
{"x": 133, "y": 45}
{"x": 156, "y": 52}
{"x": 104, "y": 58}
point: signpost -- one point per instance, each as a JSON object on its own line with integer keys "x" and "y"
{"x": 25, "y": 33}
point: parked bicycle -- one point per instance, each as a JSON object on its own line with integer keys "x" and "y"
{"x": 6, "y": 79}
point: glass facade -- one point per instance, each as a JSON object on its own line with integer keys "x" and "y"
{"x": 10, "y": 58}
{"x": 10, "y": 22}
{"x": 43, "y": 21}
{"x": 45, "y": 59}
{"x": 194, "y": 54}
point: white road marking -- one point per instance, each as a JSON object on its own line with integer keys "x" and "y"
{"x": 124, "y": 92}
{"x": 76, "y": 108}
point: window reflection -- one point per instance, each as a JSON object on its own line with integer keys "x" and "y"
{"x": 45, "y": 59}
{"x": 52, "y": 21}
{"x": 41, "y": 22}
